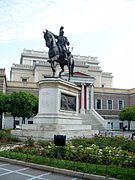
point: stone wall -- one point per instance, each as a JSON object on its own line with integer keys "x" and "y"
{"x": 20, "y": 86}
{"x": 2, "y": 81}
{"x": 132, "y": 97}
{"x": 116, "y": 95}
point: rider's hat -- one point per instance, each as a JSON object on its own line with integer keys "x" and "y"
{"x": 61, "y": 32}
{"x": 61, "y": 28}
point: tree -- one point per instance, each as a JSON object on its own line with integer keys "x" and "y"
{"x": 15, "y": 103}
{"x": 23, "y": 105}
{"x": 128, "y": 113}
{"x": 3, "y": 106}
{"x": 30, "y": 106}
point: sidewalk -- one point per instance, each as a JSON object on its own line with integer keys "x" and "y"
{"x": 56, "y": 170}
{"x": 49, "y": 168}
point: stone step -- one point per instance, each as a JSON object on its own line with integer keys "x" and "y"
{"x": 90, "y": 119}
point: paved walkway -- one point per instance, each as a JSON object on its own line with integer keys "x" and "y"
{"x": 126, "y": 134}
{"x": 10, "y": 171}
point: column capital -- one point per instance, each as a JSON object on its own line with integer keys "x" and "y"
{"x": 88, "y": 85}
{"x": 83, "y": 84}
{"x": 91, "y": 85}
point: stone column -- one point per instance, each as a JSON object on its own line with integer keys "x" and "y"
{"x": 92, "y": 96}
{"x": 82, "y": 100}
{"x": 87, "y": 99}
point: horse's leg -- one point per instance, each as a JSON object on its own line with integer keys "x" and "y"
{"x": 62, "y": 69}
{"x": 53, "y": 68}
{"x": 54, "y": 64}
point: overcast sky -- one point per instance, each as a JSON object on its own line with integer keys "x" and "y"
{"x": 102, "y": 28}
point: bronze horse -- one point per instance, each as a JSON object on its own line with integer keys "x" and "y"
{"x": 55, "y": 57}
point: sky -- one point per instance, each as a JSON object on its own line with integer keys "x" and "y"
{"x": 102, "y": 28}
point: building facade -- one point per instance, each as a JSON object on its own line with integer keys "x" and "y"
{"x": 97, "y": 92}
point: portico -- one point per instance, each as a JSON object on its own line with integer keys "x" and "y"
{"x": 86, "y": 97}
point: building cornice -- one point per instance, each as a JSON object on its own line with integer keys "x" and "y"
{"x": 111, "y": 90}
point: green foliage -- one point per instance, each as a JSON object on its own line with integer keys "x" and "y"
{"x": 80, "y": 155}
{"x": 23, "y": 105}
{"x": 111, "y": 171}
{"x": 128, "y": 113}
{"x": 102, "y": 142}
{"x": 3, "y": 106}
{"x": 92, "y": 154}
{"x": 19, "y": 104}
{"x": 95, "y": 155}
{"x": 43, "y": 143}
{"x": 3, "y": 102}
{"x": 29, "y": 142}
{"x": 5, "y": 137}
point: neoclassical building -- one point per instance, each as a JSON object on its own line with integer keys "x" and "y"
{"x": 99, "y": 102}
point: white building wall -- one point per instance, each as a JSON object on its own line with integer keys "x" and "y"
{"x": 8, "y": 121}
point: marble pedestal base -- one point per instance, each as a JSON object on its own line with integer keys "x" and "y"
{"x": 58, "y": 112}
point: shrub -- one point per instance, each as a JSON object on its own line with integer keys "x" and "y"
{"x": 29, "y": 142}
{"x": 116, "y": 141}
{"x": 5, "y": 136}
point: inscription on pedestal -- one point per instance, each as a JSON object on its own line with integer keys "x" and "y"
{"x": 68, "y": 102}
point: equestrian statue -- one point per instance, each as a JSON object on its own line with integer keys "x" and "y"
{"x": 58, "y": 52}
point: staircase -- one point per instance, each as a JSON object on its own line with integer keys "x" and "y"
{"x": 94, "y": 119}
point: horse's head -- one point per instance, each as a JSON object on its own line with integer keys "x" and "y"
{"x": 49, "y": 39}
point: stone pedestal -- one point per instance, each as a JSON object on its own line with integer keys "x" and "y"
{"x": 58, "y": 112}
{"x": 58, "y": 103}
